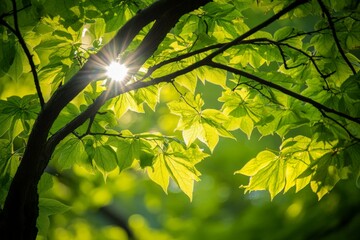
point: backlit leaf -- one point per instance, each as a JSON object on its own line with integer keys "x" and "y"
{"x": 177, "y": 162}
{"x": 267, "y": 172}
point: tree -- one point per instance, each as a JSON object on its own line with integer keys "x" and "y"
{"x": 298, "y": 81}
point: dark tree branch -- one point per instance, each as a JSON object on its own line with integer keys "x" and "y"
{"x": 341, "y": 125}
{"x": 221, "y": 47}
{"x": 157, "y": 33}
{"x": 298, "y": 96}
{"x": 179, "y": 58}
{"x": 12, "y": 11}
{"x": 16, "y": 31}
{"x": 126, "y": 34}
{"x": 336, "y": 39}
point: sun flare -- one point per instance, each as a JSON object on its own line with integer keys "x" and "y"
{"x": 116, "y": 71}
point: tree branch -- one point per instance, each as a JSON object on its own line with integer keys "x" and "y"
{"x": 157, "y": 33}
{"x": 22, "y": 42}
{"x": 336, "y": 39}
{"x": 221, "y": 47}
{"x": 179, "y": 58}
{"x": 298, "y": 96}
{"x": 131, "y": 28}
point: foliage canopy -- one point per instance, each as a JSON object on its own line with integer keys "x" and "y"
{"x": 293, "y": 74}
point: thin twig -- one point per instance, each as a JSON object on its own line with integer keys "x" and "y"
{"x": 336, "y": 39}
{"x": 12, "y": 11}
{"x": 182, "y": 96}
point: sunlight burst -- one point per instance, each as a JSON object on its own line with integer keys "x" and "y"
{"x": 116, "y": 71}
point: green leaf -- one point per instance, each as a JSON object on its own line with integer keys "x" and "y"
{"x": 146, "y": 158}
{"x": 204, "y": 125}
{"x": 295, "y": 166}
{"x": 127, "y": 150}
{"x": 329, "y": 169}
{"x": 70, "y": 152}
{"x": 5, "y": 123}
{"x": 105, "y": 159}
{"x": 240, "y": 108}
{"x": 17, "y": 70}
{"x": 188, "y": 81}
{"x": 125, "y": 102}
{"x": 159, "y": 172}
{"x": 149, "y": 95}
{"x": 5, "y": 156}
{"x": 283, "y": 33}
{"x": 115, "y": 23}
{"x": 48, "y": 207}
{"x": 267, "y": 172}
{"x": 214, "y": 76}
{"x": 8, "y": 167}
{"x": 325, "y": 45}
{"x": 353, "y": 153}
{"x": 177, "y": 162}
{"x": 45, "y": 183}
{"x": 68, "y": 114}
{"x": 16, "y": 113}
{"x": 253, "y": 166}
{"x": 351, "y": 86}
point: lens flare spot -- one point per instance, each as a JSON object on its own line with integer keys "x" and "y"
{"x": 116, "y": 71}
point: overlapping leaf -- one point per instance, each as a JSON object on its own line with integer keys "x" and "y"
{"x": 16, "y": 114}
{"x": 205, "y": 125}
{"x": 173, "y": 160}
{"x": 69, "y": 152}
